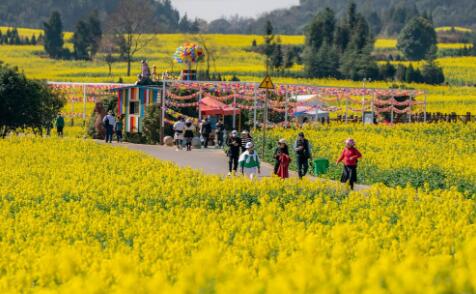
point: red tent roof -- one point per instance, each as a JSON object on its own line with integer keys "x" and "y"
{"x": 210, "y": 106}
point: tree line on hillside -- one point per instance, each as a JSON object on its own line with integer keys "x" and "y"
{"x": 12, "y": 37}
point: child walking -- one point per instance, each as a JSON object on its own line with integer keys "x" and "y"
{"x": 249, "y": 162}
{"x": 350, "y": 157}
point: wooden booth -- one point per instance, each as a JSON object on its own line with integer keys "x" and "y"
{"x": 132, "y": 102}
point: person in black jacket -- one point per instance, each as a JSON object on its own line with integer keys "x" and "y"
{"x": 206, "y": 131}
{"x": 303, "y": 154}
{"x": 234, "y": 144}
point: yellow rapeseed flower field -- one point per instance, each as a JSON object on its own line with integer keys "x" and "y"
{"x": 438, "y": 156}
{"x": 78, "y": 217}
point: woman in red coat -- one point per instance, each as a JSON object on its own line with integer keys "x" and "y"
{"x": 282, "y": 159}
{"x": 350, "y": 157}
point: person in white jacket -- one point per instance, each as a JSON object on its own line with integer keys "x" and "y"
{"x": 249, "y": 162}
{"x": 179, "y": 129}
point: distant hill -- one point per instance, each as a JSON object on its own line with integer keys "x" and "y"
{"x": 443, "y": 12}
{"x": 32, "y": 13}
{"x": 385, "y": 16}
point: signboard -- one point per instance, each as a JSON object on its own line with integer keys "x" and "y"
{"x": 267, "y": 83}
{"x": 369, "y": 118}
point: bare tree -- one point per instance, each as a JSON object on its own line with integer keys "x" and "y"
{"x": 133, "y": 23}
{"x": 210, "y": 51}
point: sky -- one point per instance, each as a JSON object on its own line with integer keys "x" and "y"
{"x": 213, "y": 9}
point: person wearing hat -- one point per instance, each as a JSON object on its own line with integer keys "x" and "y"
{"x": 179, "y": 128}
{"x": 59, "y": 125}
{"x": 302, "y": 147}
{"x": 189, "y": 133}
{"x": 350, "y": 157}
{"x": 282, "y": 159}
{"x": 245, "y": 139}
{"x": 249, "y": 162}
{"x": 234, "y": 143}
{"x": 109, "y": 122}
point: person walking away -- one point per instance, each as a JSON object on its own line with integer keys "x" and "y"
{"x": 282, "y": 158}
{"x": 249, "y": 162}
{"x": 189, "y": 133}
{"x": 350, "y": 157}
{"x": 220, "y": 131}
{"x": 234, "y": 145}
{"x": 245, "y": 139}
{"x": 280, "y": 148}
{"x": 59, "y": 125}
{"x": 206, "y": 131}
{"x": 303, "y": 154}
{"x": 179, "y": 128}
{"x": 109, "y": 122}
{"x": 118, "y": 130}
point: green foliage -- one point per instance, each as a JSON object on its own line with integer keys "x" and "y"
{"x": 152, "y": 125}
{"x": 432, "y": 73}
{"x": 87, "y": 38}
{"x": 54, "y": 42}
{"x": 26, "y": 104}
{"x": 417, "y": 39}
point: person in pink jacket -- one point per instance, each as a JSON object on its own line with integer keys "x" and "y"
{"x": 350, "y": 157}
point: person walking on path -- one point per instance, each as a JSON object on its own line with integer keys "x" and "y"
{"x": 59, "y": 125}
{"x": 220, "y": 131}
{"x": 282, "y": 160}
{"x": 233, "y": 153}
{"x": 302, "y": 147}
{"x": 118, "y": 130}
{"x": 245, "y": 139}
{"x": 350, "y": 157}
{"x": 249, "y": 162}
{"x": 206, "y": 131}
{"x": 189, "y": 133}
{"x": 109, "y": 122}
{"x": 179, "y": 129}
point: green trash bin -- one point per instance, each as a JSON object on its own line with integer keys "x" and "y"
{"x": 321, "y": 165}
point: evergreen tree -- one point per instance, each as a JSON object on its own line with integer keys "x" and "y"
{"x": 417, "y": 39}
{"x": 268, "y": 43}
{"x": 401, "y": 73}
{"x": 81, "y": 41}
{"x": 375, "y": 23}
{"x": 387, "y": 71}
{"x": 410, "y": 74}
{"x": 432, "y": 74}
{"x": 33, "y": 40}
{"x": 342, "y": 37}
{"x": 95, "y": 34}
{"x": 277, "y": 59}
{"x": 321, "y": 29}
{"x": 53, "y": 38}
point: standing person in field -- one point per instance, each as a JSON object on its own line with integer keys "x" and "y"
{"x": 179, "y": 129}
{"x": 249, "y": 162}
{"x": 302, "y": 147}
{"x": 282, "y": 160}
{"x": 234, "y": 145}
{"x": 245, "y": 139}
{"x": 118, "y": 129}
{"x": 220, "y": 132}
{"x": 350, "y": 157}
{"x": 59, "y": 125}
{"x": 206, "y": 131}
{"x": 109, "y": 122}
{"x": 189, "y": 133}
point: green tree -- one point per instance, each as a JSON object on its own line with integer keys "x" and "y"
{"x": 401, "y": 73}
{"x": 387, "y": 71}
{"x": 417, "y": 39}
{"x": 95, "y": 34}
{"x": 432, "y": 74}
{"x": 321, "y": 29}
{"x": 53, "y": 39}
{"x": 277, "y": 58}
{"x": 81, "y": 42}
{"x": 269, "y": 44}
{"x": 25, "y": 104}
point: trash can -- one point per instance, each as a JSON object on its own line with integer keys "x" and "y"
{"x": 321, "y": 165}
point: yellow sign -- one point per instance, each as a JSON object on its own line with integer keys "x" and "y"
{"x": 267, "y": 83}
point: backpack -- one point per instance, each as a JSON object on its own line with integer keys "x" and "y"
{"x": 106, "y": 122}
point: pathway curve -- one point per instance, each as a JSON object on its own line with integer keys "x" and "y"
{"x": 210, "y": 161}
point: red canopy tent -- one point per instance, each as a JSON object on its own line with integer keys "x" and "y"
{"x": 210, "y": 106}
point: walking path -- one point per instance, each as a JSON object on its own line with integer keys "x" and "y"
{"x": 210, "y": 161}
